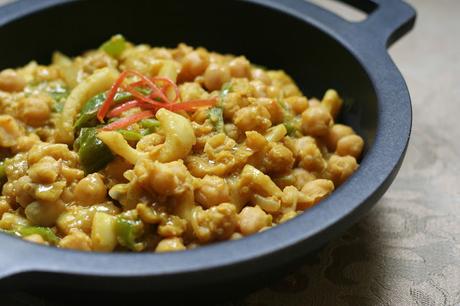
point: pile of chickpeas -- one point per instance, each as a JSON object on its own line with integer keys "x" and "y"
{"x": 272, "y": 155}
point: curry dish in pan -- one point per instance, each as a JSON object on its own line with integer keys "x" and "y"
{"x": 138, "y": 148}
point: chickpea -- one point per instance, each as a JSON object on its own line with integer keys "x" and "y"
{"x": 254, "y": 117}
{"x": 76, "y": 240}
{"x": 290, "y": 90}
{"x": 44, "y": 214}
{"x": 10, "y": 131}
{"x": 240, "y": 67}
{"x": 115, "y": 169}
{"x": 255, "y": 141}
{"x": 298, "y": 144}
{"x": 96, "y": 60}
{"x": 253, "y": 219}
{"x": 170, "y": 244}
{"x": 4, "y": 206}
{"x": 311, "y": 159}
{"x": 332, "y": 102}
{"x": 273, "y": 92}
{"x": 163, "y": 178}
{"x": 296, "y": 177}
{"x": 71, "y": 174}
{"x": 16, "y": 166}
{"x": 23, "y": 189}
{"x": 34, "y": 110}
{"x": 336, "y": 132}
{"x": 173, "y": 227}
{"x": 273, "y": 107}
{"x": 350, "y": 145}
{"x": 215, "y": 223}
{"x": 90, "y": 190}
{"x": 43, "y": 73}
{"x": 298, "y": 104}
{"x": 25, "y": 143}
{"x": 212, "y": 191}
{"x": 259, "y": 89}
{"x": 232, "y": 131}
{"x": 11, "y": 81}
{"x": 45, "y": 171}
{"x": 315, "y": 191}
{"x": 289, "y": 199}
{"x": 152, "y": 214}
{"x": 199, "y": 117}
{"x": 316, "y": 121}
{"x": 192, "y": 91}
{"x": 301, "y": 177}
{"x": 194, "y": 64}
{"x": 279, "y": 158}
{"x": 56, "y": 150}
{"x": 232, "y": 103}
{"x": 339, "y": 168}
{"x": 313, "y": 102}
{"x": 149, "y": 142}
{"x": 10, "y": 221}
{"x": 215, "y": 76}
{"x": 276, "y": 133}
{"x": 261, "y": 75}
{"x": 81, "y": 218}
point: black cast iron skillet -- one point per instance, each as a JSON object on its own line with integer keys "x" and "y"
{"x": 319, "y": 49}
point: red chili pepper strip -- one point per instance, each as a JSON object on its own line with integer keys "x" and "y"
{"x": 124, "y": 107}
{"x": 151, "y": 84}
{"x": 155, "y": 91}
{"x": 143, "y": 98}
{"x": 169, "y": 83}
{"x": 137, "y": 84}
{"x": 192, "y": 104}
{"x": 127, "y": 121}
{"x": 109, "y": 100}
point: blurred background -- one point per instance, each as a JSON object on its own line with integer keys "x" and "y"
{"x": 406, "y": 251}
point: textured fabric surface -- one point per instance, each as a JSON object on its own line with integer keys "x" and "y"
{"x": 407, "y": 250}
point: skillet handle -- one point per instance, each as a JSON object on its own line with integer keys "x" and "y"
{"x": 388, "y": 20}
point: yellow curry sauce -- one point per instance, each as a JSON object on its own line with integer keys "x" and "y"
{"x": 130, "y": 147}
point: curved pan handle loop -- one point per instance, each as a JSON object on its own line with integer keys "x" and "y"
{"x": 388, "y": 21}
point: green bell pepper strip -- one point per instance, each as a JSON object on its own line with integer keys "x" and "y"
{"x": 46, "y": 233}
{"x": 226, "y": 88}
{"x": 217, "y": 118}
{"x": 114, "y": 46}
{"x": 88, "y": 113}
{"x": 128, "y": 231}
{"x": 130, "y": 135}
{"x": 94, "y": 154}
{"x": 290, "y": 121}
{"x": 150, "y": 123}
{"x": 58, "y": 107}
{"x": 289, "y": 128}
{"x": 149, "y": 126}
{"x": 59, "y": 94}
{"x": 2, "y": 170}
{"x": 3, "y": 177}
